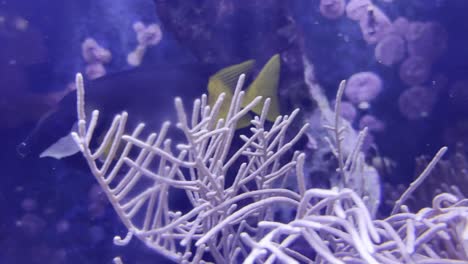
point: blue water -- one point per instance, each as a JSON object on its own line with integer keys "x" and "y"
{"x": 51, "y": 210}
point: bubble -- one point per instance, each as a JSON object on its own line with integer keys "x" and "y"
{"x": 363, "y": 87}
{"x": 415, "y": 70}
{"x": 439, "y": 82}
{"x": 416, "y": 102}
{"x": 23, "y": 150}
{"x": 332, "y": 9}
{"x": 357, "y": 9}
{"x": 390, "y": 50}
{"x": 458, "y": 95}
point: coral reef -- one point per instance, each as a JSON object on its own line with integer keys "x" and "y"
{"x": 236, "y": 220}
{"x": 95, "y": 56}
{"x": 201, "y": 191}
{"x": 147, "y": 36}
{"x": 201, "y": 169}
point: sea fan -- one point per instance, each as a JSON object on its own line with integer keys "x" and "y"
{"x": 138, "y": 186}
{"x": 236, "y": 220}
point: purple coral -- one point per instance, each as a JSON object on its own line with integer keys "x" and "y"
{"x": 390, "y": 50}
{"x": 363, "y": 87}
{"x": 93, "y": 53}
{"x": 95, "y": 56}
{"x": 374, "y": 25}
{"x": 348, "y": 111}
{"x": 427, "y": 40}
{"x": 415, "y": 70}
{"x": 332, "y": 9}
{"x": 372, "y": 123}
{"x": 147, "y": 35}
{"x": 416, "y": 102}
{"x": 357, "y": 9}
{"x": 400, "y": 26}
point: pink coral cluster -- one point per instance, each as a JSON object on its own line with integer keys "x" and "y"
{"x": 425, "y": 44}
{"x": 413, "y": 46}
{"x": 95, "y": 56}
{"x": 147, "y": 36}
{"x": 361, "y": 89}
{"x": 416, "y": 102}
{"x": 373, "y": 22}
{"x": 332, "y": 9}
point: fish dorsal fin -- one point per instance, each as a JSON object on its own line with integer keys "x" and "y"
{"x": 230, "y": 75}
{"x": 266, "y": 85}
{"x": 224, "y": 81}
{"x": 215, "y": 88}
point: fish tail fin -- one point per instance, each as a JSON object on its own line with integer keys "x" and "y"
{"x": 224, "y": 81}
{"x": 266, "y": 85}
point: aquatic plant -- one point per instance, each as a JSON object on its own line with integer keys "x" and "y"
{"x": 235, "y": 193}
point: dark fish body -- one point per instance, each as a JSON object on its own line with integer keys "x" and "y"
{"x": 147, "y": 94}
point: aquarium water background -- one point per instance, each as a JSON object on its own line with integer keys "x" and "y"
{"x": 410, "y": 88}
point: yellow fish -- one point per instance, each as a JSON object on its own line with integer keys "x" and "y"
{"x": 110, "y": 94}
{"x": 225, "y": 81}
{"x": 265, "y": 85}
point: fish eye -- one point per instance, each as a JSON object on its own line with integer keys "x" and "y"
{"x": 23, "y": 150}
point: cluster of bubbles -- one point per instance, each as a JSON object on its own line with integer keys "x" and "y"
{"x": 412, "y": 46}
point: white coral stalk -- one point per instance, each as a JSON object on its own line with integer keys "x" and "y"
{"x": 138, "y": 178}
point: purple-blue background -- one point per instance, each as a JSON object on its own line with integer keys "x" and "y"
{"x": 51, "y": 211}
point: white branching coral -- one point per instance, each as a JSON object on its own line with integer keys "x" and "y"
{"x": 138, "y": 187}
{"x": 235, "y": 190}
{"x": 336, "y": 227}
{"x": 345, "y": 144}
